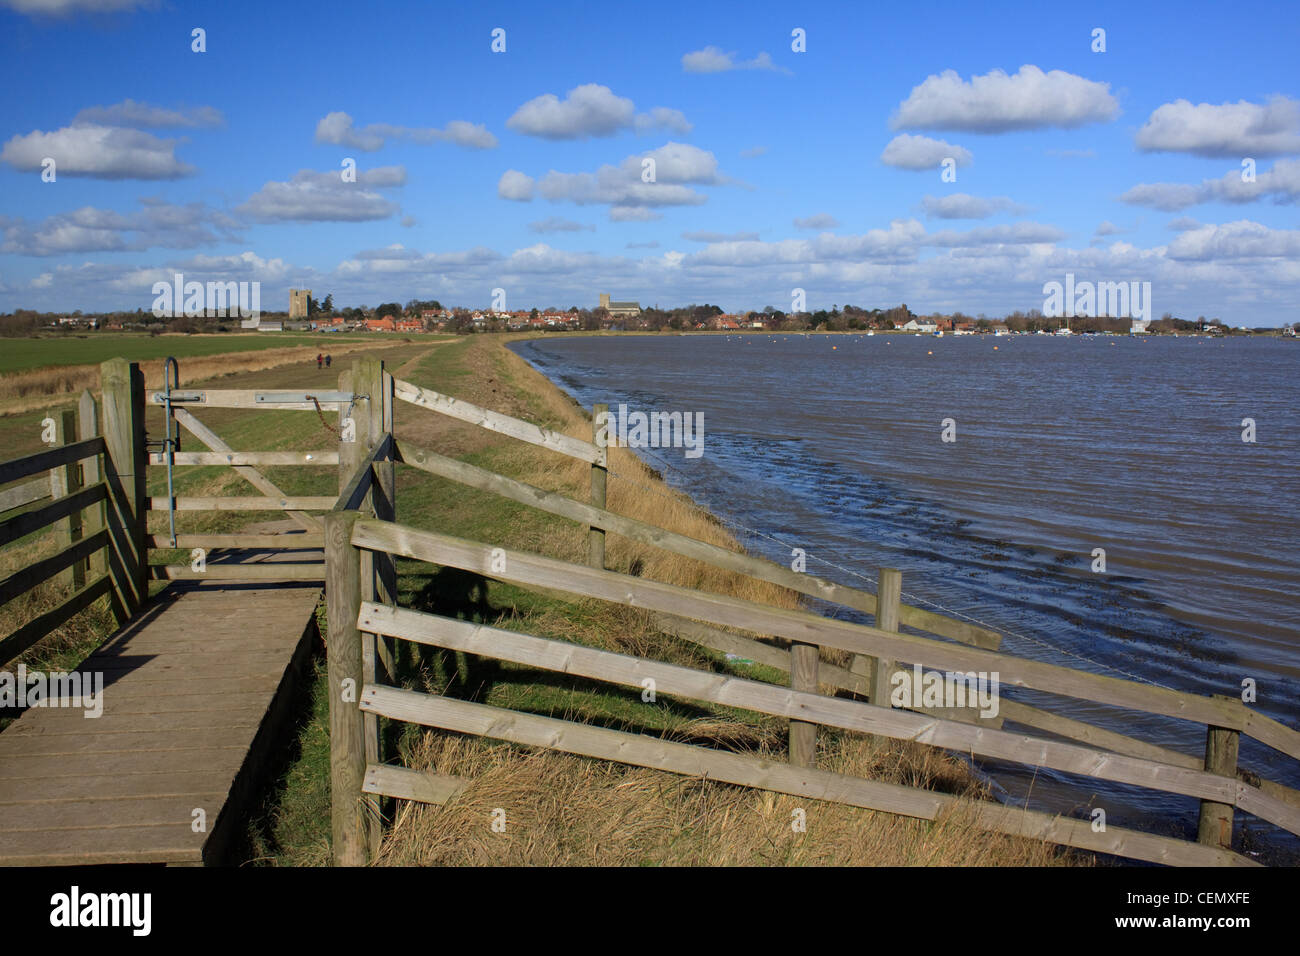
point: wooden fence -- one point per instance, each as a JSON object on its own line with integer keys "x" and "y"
{"x": 80, "y": 500}
{"x": 360, "y": 623}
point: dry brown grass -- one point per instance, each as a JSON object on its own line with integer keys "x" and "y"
{"x": 562, "y": 810}
{"x": 566, "y": 810}
{"x": 35, "y": 388}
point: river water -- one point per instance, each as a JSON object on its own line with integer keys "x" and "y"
{"x": 1063, "y": 445}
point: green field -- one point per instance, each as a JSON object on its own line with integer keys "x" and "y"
{"x": 91, "y": 348}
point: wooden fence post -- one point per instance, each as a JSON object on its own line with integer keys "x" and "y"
{"x": 93, "y": 523}
{"x": 374, "y": 416}
{"x": 343, "y": 659}
{"x": 1221, "y": 746}
{"x": 889, "y": 596}
{"x": 803, "y": 676}
{"x": 599, "y": 476}
{"x": 125, "y": 462}
{"x": 65, "y": 480}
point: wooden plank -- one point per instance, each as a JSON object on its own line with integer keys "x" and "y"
{"x": 245, "y": 398}
{"x": 95, "y": 517}
{"x": 22, "y": 766}
{"x": 58, "y": 789}
{"x": 803, "y": 678}
{"x": 66, "y": 480}
{"x": 239, "y": 572}
{"x": 355, "y": 494}
{"x": 598, "y": 517}
{"x": 277, "y": 542}
{"x": 38, "y": 627}
{"x": 720, "y": 766}
{"x": 245, "y": 503}
{"x": 20, "y": 496}
{"x": 407, "y": 784}
{"x": 599, "y": 479}
{"x": 248, "y": 458}
{"x": 160, "y": 741}
{"x": 125, "y": 471}
{"x": 149, "y": 844}
{"x": 24, "y": 524}
{"x": 889, "y": 597}
{"x": 57, "y": 723}
{"x": 533, "y": 570}
{"x": 254, "y": 477}
{"x": 1214, "y": 825}
{"x": 110, "y": 813}
{"x": 347, "y": 741}
{"x": 1269, "y": 731}
{"x": 55, "y": 457}
{"x": 38, "y": 572}
{"x": 496, "y": 422}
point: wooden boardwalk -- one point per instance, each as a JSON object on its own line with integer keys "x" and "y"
{"x": 197, "y": 693}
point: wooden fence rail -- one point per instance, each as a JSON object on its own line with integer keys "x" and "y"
{"x": 813, "y": 708}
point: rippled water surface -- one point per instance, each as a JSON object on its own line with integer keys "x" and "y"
{"x": 1063, "y": 445}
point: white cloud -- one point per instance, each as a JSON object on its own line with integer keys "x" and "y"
{"x": 713, "y": 59}
{"x": 89, "y": 229}
{"x": 1235, "y": 240}
{"x": 906, "y": 151}
{"x": 338, "y": 128}
{"x": 966, "y": 206}
{"x": 1230, "y": 130}
{"x": 63, "y": 7}
{"x": 100, "y": 152}
{"x": 1183, "y": 223}
{"x": 147, "y": 116}
{"x": 633, "y": 214}
{"x": 821, "y": 220}
{"x": 753, "y": 151}
{"x": 1281, "y": 182}
{"x": 705, "y": 236}
{"x": 515, "y": 186}
{"x": 661, "y": 117}
{"x": 677, "y": 167}
{"x": 997, "y": 102}
{"x": 558, "y": 224}
{"x": 1108, "y": 228}
{"x": 588, "y": 111}
{"x": 1014, "y": 234}
{"x": 324, "y": 197}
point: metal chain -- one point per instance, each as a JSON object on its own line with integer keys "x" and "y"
{"x": 342, "y": 418}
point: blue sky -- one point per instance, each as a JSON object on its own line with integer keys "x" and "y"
{"x": 775, "y": 169}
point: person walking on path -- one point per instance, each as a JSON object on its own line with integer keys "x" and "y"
{"x": 319, "y": 359}
{"x": 328, "y": 359}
